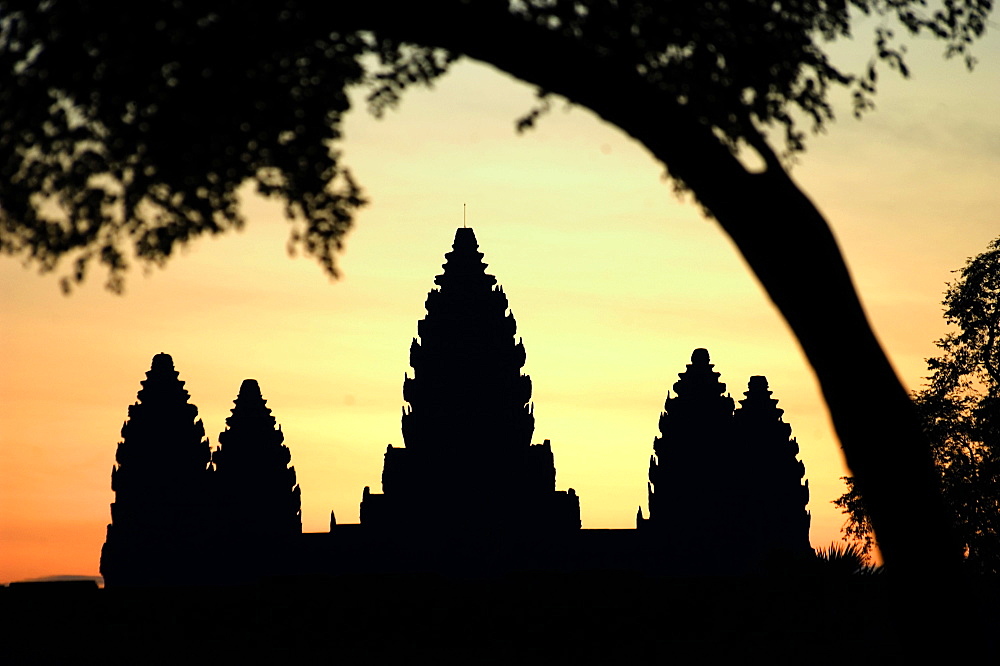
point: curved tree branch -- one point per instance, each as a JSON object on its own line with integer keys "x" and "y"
{"x": 781, "y": 234}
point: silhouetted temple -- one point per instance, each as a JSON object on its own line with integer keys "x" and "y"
{"x": 257, "y": 498}
{"x": 468, "y": 464}
{"x": 777, "y": 520}
{"x": 159, "y": 525}
{"x": 468, "y": 493}
{"x": 183, "y": 513}
{"x": 725, "y": 487}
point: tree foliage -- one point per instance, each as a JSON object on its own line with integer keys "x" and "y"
{"x": 960, "y": 412}
{"x": 846, "y": 559}
{"x": 857, "y": 529}
{"x": 128, "y": 129}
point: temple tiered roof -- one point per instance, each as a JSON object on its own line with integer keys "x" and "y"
{"x": 258, "y": 495}
{"x": 161, "y": 484}
{"x": 468, "y": 458}
{"x": 724, "y": 485}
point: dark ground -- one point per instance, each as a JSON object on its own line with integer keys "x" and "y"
{"x": 599, "y": 617}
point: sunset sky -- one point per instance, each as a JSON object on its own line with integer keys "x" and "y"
{"x": 612, "y": 278}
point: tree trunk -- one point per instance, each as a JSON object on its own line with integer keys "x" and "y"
{"x": 780, "y": 233}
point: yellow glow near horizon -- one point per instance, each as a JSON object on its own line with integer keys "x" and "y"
{"x": 613, "y": 281}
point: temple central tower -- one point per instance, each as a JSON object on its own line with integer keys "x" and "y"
{"x": 468, "y": 464}
{"x": 467, "y": 384}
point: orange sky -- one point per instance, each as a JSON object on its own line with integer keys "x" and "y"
{"x": 612, "y": 279}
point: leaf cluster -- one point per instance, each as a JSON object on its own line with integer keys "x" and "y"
{"x": 960, "y": 412}
{"x": 846, "y": 559}
{"x": 857, "y": 529}
{"x": 741, "y": 66}
{"x": 127, "y": 129}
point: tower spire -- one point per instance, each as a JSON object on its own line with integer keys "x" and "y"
{"x": 160, "y": 518}
{"x": 688, "y": 475}
{"x": 468, "y": 459}
{"x": 258, "y": 498}
{"x": 725, "y": 490}
{"x": 772, "y": 476}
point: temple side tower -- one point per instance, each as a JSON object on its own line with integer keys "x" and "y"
{"x": 776, "y": 521}
{"x": 258, "y": 500}
{"x": 725, "y": 491}
{"x": 688, "y": 471}
{"x": 468, "y": 465}
{"x": 160, "y": 517}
